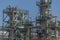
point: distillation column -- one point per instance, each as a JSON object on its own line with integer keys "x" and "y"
{"x": 44, "y": 7}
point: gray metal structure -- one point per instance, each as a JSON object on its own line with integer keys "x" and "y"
{"x": 43, "y": 18}
{"x": 16, "y": 23}
{"x": 17, "y": 26}
{"x": 49, "y": 29}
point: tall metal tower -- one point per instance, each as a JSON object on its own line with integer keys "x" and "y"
{"x": 45, "y": 16}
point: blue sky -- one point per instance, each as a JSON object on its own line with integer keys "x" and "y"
{"x": 29, "y": 5}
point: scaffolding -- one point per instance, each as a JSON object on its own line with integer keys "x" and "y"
{"x": 16, "y": 24}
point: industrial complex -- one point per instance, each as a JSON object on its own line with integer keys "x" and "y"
{"x": 17, "y": 26}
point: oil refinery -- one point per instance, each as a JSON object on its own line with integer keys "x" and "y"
{"x": 17, "y": 26}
